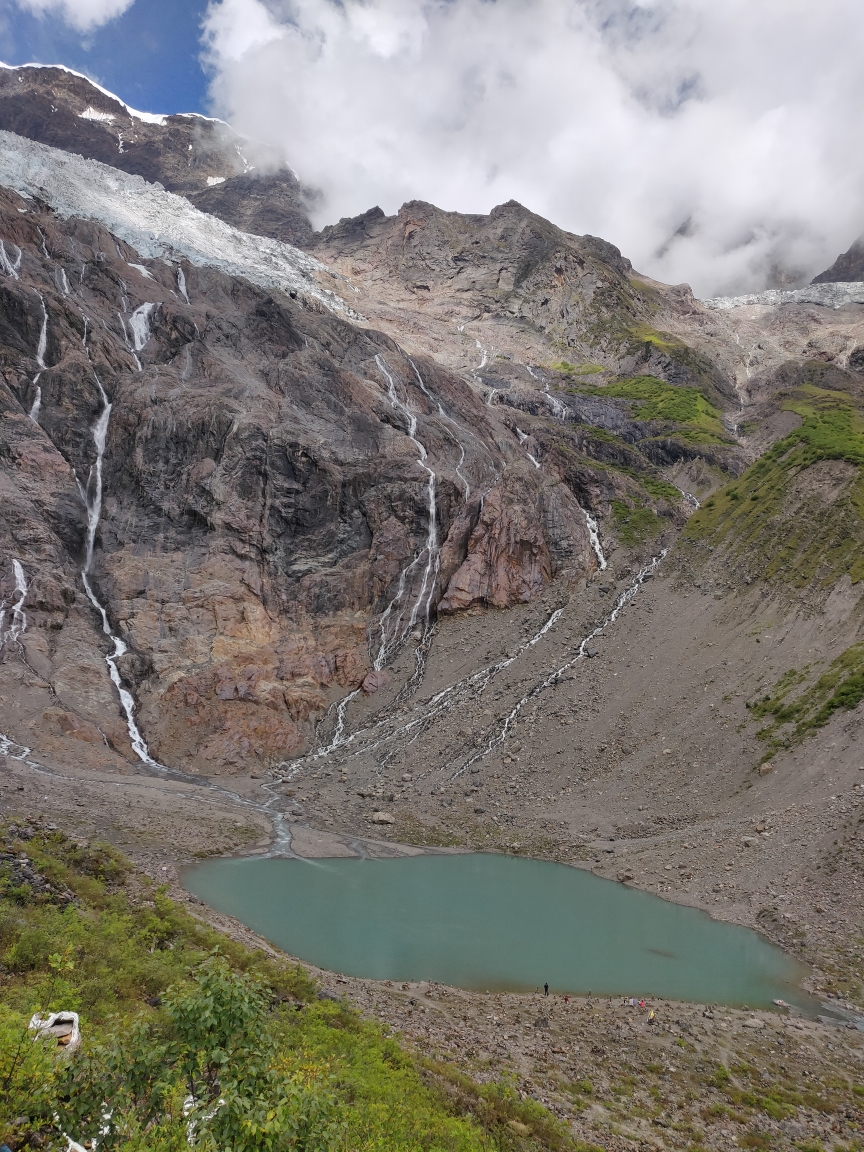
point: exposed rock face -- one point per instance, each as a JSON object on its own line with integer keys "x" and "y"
{"x": 262, "y": 501}
{"x": 848, "y": 267}
{"x": 529, "y": 290}
{"x": 198, "y": 157}
{"x": 508, "y": 558}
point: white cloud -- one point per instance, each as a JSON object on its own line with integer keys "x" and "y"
{"x": 83, "y": 15}
{"x": 710, "y": 141}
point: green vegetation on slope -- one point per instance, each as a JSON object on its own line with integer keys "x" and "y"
{"x": 634, "y": 523}
{"x": 641, "y": 507}
{"x": 685, "y": 411}
{"x": 183, "y": 1027}
{"x": 796, "y": 708}
{"x": 576, "y": 369}
{"x": 789, "y": 523}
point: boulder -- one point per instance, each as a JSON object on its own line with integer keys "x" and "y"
{"x": 382, "y": 818}
{"x": 372, "y": 681}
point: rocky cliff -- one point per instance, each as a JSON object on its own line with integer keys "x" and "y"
{"x": 284, "y": 497}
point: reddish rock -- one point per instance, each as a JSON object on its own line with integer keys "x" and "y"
{"x": 508, "y": 559}
{"x": 372, "y": 681}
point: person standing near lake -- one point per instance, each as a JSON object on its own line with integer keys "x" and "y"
{"x": 545, "y": 989}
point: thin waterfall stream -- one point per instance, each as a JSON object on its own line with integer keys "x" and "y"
{"x": 19, "y": 616}
{"x": 41, "y": 346}
{"x": 91, "y": 494}
{"x": 390, "y": 625}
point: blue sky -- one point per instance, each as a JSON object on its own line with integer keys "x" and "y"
{"x": 148, "y": 56}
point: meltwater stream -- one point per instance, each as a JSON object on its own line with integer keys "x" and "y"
{"x": 41, "y": 345}
{"x": 91, "y": 494}
{"x": 483, "y": 921}
{"x": 398, "y": 620}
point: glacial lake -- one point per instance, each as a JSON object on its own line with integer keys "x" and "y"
{"x": 489, "y": 922}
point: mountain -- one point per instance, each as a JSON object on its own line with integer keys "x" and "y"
{"x": 849, "y": 267}
{"x": 451, "y": 529}
{"x": 198, "y": 157}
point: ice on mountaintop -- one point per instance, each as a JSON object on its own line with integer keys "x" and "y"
{"x": 145, "y": 117}
{"x": 157, "y": 223}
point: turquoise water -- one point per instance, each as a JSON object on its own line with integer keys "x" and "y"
{"x": 493, "y": 922}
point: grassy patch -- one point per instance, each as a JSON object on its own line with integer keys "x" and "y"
{"x": 684, "y": 410}
{"x": 170, "y": 1009}
{"x": 796, "y": 708}
{"x": 410, "y": 830}
{"x": 634, "y": 523}
{"x": 749, "y": 1091}
{"x": 576, "y": 369}
{"x": 808, "y": 539}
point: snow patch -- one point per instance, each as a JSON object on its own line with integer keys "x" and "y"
{"x": 212, "y": 181}
{"x": 144, "y": 271}
{"x": 94, "y": 114}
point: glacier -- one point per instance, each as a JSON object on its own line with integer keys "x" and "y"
{"x": 828, "y": 295}
{"x": 159, "y": 224}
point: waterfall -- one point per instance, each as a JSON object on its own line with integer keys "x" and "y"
{"x": 43, "y": 334}
{"x": 11, "y": 268}
{"x": 459, "y": 694}
{"x": 594, "y": 537}
{"x": 92, "y": 497}
{"x": 41, "y": 345}
{"x": 449, "y": 420}
{"x": 19, "y": 617}
{"x": 139, "y": 326}
{"x": 393, "y": 631}
{"x": 181, "y": 285}
{"x": 523, "y": 437}
{"x": 139, "y": 322}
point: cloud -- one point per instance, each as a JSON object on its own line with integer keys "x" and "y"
{"x": 714, "y": 143}
{"x": 83, "y": 15}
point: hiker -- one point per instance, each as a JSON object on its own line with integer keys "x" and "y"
{"x": 651, "y": 1017}
{"x": 545, "y": 989}
{"x": 566, "y": 999}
